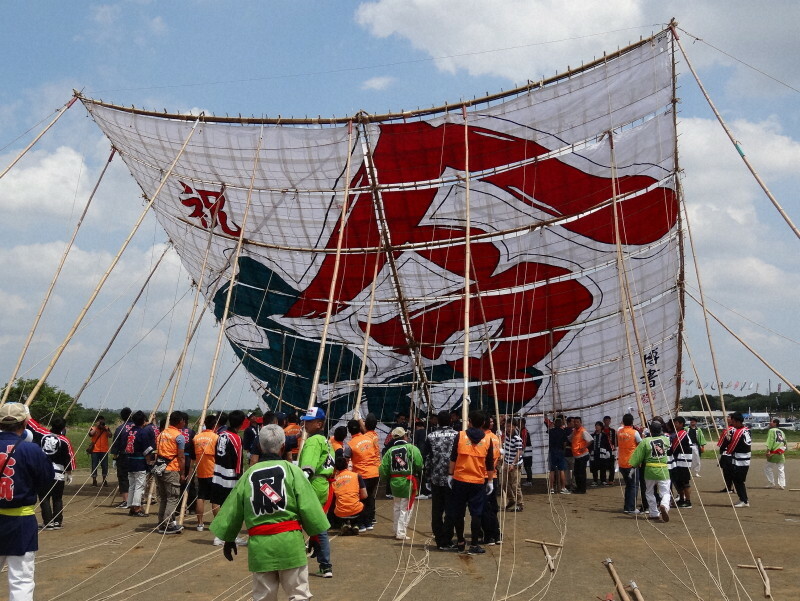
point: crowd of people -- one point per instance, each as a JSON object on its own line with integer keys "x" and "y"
{"x": 269, "y": 478}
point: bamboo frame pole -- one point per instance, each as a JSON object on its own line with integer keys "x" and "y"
{"x": 365, "y": 348}
{"x": 56, "y": 275}
{"x": 388, "y": 248}
{"x": 85, "y": 310}
{"x": 624, "y": 298}
{"x": 734, "y": 141}
{"x": 152, "y": 486}
{"x": 39, "y": 137}
{"x": 196, "y": 302}
{"x": 234, "y": 266}
{"x": 679, "y": 222}
{"x": 116, "y": 333}
{"x": 334, "y": 279}
{"x": 187, "y": 469}
{"x": 467, "y": 274}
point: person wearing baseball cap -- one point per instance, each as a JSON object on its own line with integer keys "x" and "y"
{"x": 25, "y": 473}
{"x": 402, "y": 464}
{"x": 316, "y": 460}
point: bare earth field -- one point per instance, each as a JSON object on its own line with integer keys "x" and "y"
{"x": 101, "y": 553}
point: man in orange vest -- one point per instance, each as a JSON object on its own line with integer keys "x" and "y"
{"x": 170, "y": 454}
{"x": 471, "y": 480}
{"x": 627, "y": 440}
{"x": 350, "y": 491}
{"x": 580, "y": 441}
{"x": 205, "y": 444}
{"x": 365, "y": 454}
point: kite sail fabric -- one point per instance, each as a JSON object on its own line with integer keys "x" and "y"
{"x": 558, "y": 178}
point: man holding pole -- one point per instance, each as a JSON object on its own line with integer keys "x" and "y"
{"x": 316, "y": 460}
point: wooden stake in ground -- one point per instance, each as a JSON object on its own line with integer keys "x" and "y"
{"x": 762, "y": 569}
{"x": 623, "y": 594}
{"x": 635, "y": 590}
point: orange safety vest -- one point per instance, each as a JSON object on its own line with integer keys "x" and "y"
{"x": 626, "y": 443}
{"x": 579, "y": 445}
{"x": 293, "y": 430}
{"x": 335, "y": 444}
{"x": 346, "y": 489}
{"x": 365, "y": 455}
{"x": 204, "y": 445}
{"x": 471, "y": 459}
{"x": 168, "y": 447}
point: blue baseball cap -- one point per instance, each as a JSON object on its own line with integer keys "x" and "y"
{"x": 313, "y": 413}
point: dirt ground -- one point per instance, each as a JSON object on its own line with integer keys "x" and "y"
{"x": 103, "y": 554}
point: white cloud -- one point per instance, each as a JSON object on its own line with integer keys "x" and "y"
{"x": 547, "y": 35}
{"x": 470, "y": 32}
{"x": 46, "y": 183}
{"x": 378, "y": 83}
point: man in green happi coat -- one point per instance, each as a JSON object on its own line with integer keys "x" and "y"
{"x": 774, "y": 469}
{"x": 276, "y": 502}
{"x": 652, "y": 454}
{"x": 402, "y": 464}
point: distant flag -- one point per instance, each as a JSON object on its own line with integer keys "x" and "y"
{"x": 713, "y": 387}
{"x": 744, "y": 385}
{"x": 728, "y": 385}
{"x": 736, "y": 386}
{"x": 756, "y": 387}
{"x": 689, "y": 383}
{"x": 751, "y": 386}
{"x": 779, "y": 387}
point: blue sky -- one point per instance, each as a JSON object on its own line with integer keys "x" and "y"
{"x": 326, "y": 58}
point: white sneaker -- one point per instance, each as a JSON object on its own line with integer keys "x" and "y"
{"x": 402, "y": 538}
{"x": 218, "y": 541}
{"x": 565, "y": 491}
{"x": 241, "y": 541}
{"x": 201, "y": 527}
{"x": 742, "y": 504}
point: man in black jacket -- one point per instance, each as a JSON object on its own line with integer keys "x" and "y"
{"x": 436, "y": 454}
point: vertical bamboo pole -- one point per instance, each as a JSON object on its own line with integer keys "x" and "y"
{"x": 334, "y": 277}
{"x": 624, "y": 299}
{"x": 386, "y": 242}
{"x": 467, "y": 273}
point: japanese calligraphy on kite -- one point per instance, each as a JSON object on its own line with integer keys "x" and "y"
{"x": 572, "y": 209}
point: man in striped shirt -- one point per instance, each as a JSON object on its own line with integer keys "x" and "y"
{"x": 512, "y": 462}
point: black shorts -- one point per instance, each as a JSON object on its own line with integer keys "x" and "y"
{"x": 122, "y": 476}
{"x": 204, "y": 489}
{"x": 219, "y": 494}
{"x": 680, "y": 477}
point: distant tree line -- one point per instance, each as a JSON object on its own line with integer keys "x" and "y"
{"x": 52, "y": 402}
{"x": 783, "y": 403}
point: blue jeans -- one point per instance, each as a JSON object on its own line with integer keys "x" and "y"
{"x": 631, "y": 477}
{"x": 323, "y": 548}
{"x": 100, "y": 460}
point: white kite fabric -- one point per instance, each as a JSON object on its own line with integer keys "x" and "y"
{"x": 556, "y": 178}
